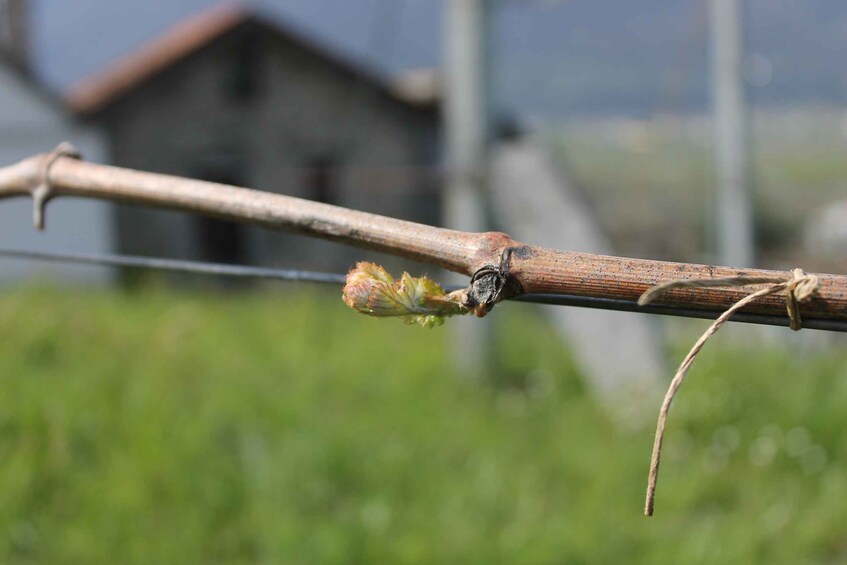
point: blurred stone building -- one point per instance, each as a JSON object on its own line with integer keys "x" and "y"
{"x": 234, "y": 96}
{"x": 34, "y": 120}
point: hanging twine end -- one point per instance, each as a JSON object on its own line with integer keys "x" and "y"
{"x": 799, "y": 288}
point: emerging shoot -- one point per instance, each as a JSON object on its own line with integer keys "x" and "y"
{"x": 418, "y": 300}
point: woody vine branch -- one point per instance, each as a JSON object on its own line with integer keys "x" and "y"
{"x": 529, "y": 269}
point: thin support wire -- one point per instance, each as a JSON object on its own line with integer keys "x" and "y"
{"x": 242, "y": 271}
{"x": 175, "y": 265}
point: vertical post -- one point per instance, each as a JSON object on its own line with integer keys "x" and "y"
{"x": 466, "y": 205}
{"x": 14, "y": 31}
{"x": 734, "y": 208}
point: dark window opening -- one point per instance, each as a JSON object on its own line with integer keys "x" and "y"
{"x": 321, "y": 181}
{"x": 242, "y": 78}
{"x": 221, "y": 241}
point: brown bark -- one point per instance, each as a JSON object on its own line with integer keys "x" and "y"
{"x": 531, "y": 269}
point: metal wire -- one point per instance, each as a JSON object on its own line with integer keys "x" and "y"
{"x": 175, "y": 265}
{"x": 243, "y": 271}
{"x": 678, "y": 311}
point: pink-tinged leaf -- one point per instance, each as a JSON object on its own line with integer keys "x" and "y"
{"x": 372, "y": 291}
{"x": 369, "y": 271}
{"x": 355, "y": 295}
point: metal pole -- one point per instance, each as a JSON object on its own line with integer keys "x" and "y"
{"x": 734, "y": 208}
{"x": 465, "y": 204}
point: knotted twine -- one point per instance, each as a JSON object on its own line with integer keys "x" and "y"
{"x": 799, "y": 288}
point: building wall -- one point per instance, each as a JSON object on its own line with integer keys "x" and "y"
{"x": 301, "y": 113}
{"x": 31, "y": 123}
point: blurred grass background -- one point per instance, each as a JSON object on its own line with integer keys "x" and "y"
{"x": 160, "y": 426}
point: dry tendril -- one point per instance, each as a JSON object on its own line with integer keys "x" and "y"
{"x": 799, "y": 288}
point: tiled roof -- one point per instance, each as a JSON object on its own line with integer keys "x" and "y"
{"x": 98, "y": 91}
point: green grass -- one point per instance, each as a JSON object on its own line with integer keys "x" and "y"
{"x": 163, "y": 427}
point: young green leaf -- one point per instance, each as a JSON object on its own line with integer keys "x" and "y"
{"x": 419, "y": 300}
